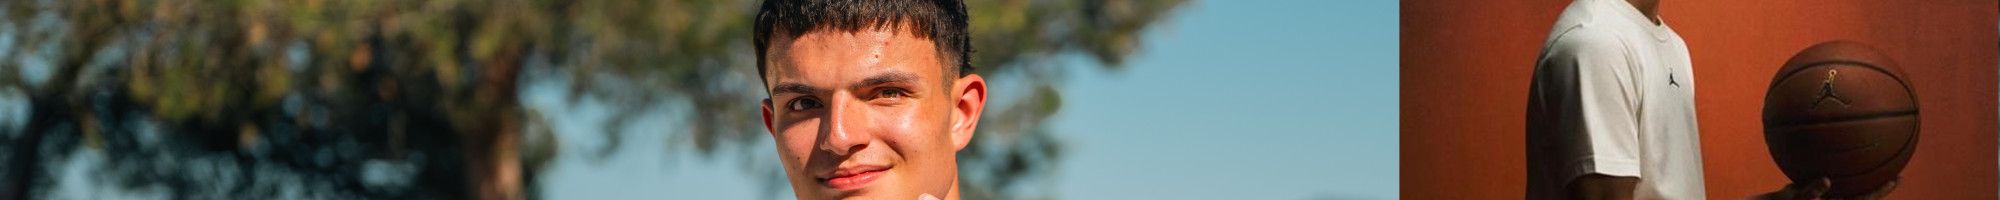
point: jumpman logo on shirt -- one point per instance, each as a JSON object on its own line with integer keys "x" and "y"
{"x": 1826, "y": 91}
{"x": 1670, "y": 80}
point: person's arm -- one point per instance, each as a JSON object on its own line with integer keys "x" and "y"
{"x": 1599, "y": 186}
{"x": 1599, "y": 102}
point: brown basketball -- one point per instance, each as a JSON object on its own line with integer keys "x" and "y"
{"x": 1842, "y": 111}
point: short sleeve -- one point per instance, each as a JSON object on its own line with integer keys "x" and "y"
{"x": 1591, "y": 86}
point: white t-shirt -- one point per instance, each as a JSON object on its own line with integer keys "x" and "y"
{"x": 1613, "y": 94}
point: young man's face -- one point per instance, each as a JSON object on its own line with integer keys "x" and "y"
{"x": 868, "y": 114}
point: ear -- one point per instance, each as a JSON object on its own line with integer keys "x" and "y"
{"x": 767, "y": 118}
{"x": 971, "y": 91}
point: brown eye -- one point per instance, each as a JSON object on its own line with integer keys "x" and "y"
{"x": 891, "y": 93}
{"x": 804, "y": 104}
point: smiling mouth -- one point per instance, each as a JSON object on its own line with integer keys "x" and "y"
{"x": 851, "y": 178}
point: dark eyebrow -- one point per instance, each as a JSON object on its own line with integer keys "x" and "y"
{"x": 888, "y": 77}
{"x": 799, "y": 88}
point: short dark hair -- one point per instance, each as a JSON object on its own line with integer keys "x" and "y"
{"x": 941, "y": 21}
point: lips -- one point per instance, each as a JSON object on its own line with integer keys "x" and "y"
{"x": 853, "y": 177}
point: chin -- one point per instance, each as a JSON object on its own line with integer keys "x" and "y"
{"x": 878, "y": 189}
{"x": 861, "y": 194}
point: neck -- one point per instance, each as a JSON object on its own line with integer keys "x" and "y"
{"x": 1650, "y": 8}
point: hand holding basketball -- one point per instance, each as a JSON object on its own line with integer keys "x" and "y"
{"x": 1815, "y": 188}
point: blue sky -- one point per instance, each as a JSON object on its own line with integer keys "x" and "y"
{"x": 1293, "y": 99}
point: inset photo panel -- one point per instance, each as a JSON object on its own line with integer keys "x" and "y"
{"x": 1699, "y": 99}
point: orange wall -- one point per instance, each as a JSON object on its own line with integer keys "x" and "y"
{"x": 1466, "y": 66}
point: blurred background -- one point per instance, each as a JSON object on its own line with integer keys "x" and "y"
{"x": 606, "y": 99}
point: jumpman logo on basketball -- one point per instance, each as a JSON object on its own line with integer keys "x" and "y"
{"x": 1826, "y": 91}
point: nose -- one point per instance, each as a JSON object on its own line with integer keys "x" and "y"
{"x": 846, "y": 126}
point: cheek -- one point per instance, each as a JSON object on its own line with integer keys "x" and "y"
{"x": 795, "y": 143}
{"x": 918, "y": 134}
{"x": 920, "y": 139}
{"x": 907, "y": 129}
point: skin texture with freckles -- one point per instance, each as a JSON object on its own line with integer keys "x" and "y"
{"x": 868, "y": 114}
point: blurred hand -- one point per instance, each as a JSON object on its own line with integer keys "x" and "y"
{"x": 1817, "y": 187}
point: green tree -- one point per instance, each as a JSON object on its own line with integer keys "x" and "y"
{"x": 420, "y": 99}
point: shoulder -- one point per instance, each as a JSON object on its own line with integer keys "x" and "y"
{"x": 1580, "y": 31}
{"x": 1585, "y": 41}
